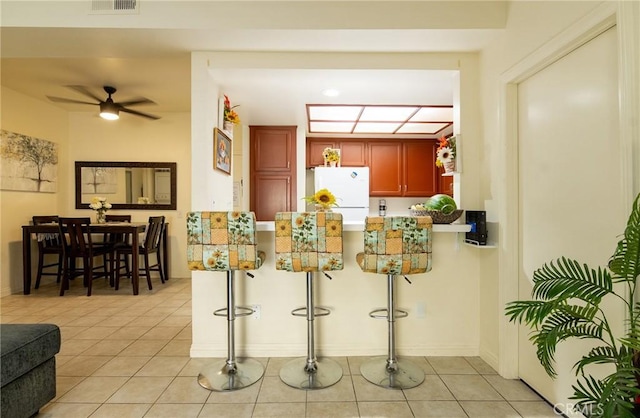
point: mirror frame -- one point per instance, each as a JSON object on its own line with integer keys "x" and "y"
{"x": 129, "y": 164}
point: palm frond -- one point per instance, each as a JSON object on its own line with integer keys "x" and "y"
{"x": 565, "y": 278}
{"x": 625, "y": 262}
{"x": 531, "y": 312}
{"x": 609, "y": 397}
{"x": 597, "y": 355}
{"x": 559, "y": 326}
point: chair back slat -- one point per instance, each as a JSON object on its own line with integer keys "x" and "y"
{"x": 78, "y": 238}
{"x": 222, "y": 241}
{"x": 48, "y": 240}
{"x": 397, "y": 245}
{"x": 153, "y": 232}
{"x": 308, "y": 241}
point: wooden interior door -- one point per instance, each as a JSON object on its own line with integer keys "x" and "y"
{"x": 273, "y": 170}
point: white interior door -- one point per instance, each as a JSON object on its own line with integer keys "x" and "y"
{"x": 570, "y": 195}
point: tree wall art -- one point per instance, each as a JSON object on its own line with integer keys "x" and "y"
{"x": 28, "y": 163}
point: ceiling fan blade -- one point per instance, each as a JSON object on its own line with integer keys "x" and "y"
{"x": 83, "y": 90}
{"x": 139, "y": 101}
{"x": 63, "y": 100}
{"x": 135, "y": 112}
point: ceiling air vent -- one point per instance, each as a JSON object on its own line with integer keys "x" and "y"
{"x": 114, "y": 7}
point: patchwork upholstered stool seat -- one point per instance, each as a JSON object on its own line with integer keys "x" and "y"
{"x": 394, "y": 246}
{"x": 309, "y": 242}
{"x": 226, "y": 241}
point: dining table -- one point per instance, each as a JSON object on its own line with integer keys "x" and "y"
{"x": 134, "y": 229}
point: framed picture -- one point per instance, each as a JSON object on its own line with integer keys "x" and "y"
{"x": 221, "y": 151}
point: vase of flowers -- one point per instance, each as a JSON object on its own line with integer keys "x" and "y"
{"x": 331, "y": 156}
{"x": 230, "y": 117}
{"x": 446, "y": 154}
{"x": 323, "y": 200}
{"x": 101, "y": 206}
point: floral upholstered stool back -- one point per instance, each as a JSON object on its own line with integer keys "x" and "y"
{"x": 396, "y": 245}
{"x": 393, "y": 246}
{"x": 226, "y": 241}
{"x": 309, "y": 242}
{"x": 221, "y": 241}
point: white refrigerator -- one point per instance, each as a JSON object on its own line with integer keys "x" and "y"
{"x": 350, "y": 186}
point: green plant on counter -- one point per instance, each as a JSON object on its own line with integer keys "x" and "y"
{"x": 566, "y": 304}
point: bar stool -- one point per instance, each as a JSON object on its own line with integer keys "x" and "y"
{"x": 394, "y": 246}
{"x": 226, "y": 241}
{"x": 309, "y": 242}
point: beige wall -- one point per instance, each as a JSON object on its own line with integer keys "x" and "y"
{"x": 36, "y": 118}
{"x": 524, "y": 44}
{"x": 84, "y": 136}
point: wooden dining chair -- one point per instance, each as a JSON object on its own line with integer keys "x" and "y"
{"x": 78, "y": 245}
{"x": 48, "y": 244}
{"x": 115, "y": 240}
{"x": 150, "y": 245}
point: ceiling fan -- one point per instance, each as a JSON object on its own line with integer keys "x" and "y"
{"x": 108, "y": 108}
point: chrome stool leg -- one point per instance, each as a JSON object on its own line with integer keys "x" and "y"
{"x": 310, "y": 373}
{"x": 391, "y": 372}
{"x": 231, "y": 374}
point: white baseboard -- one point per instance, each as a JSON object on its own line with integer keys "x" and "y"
{"x": 216, "y": 350}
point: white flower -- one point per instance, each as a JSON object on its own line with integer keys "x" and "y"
{"x": 445, "y": 154}
{"x": 99, "y": 203}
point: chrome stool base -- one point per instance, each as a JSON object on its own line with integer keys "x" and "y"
{"x": 327, "y": 373}
{"x": 404, "y": 374}
{"x": 220, "y": 377}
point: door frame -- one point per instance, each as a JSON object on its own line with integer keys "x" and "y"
{"x": 603, "y": 17}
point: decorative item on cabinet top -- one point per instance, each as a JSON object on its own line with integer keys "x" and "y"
{"x": 331, "y": 157}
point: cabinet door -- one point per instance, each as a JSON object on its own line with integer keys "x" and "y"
{"x": 353, "y": 154}
{"x": 273, "y": 170}
{"x": 420, "y": 172}
{"x": 385, "y": 169}
{"x": 314, "y": 151}
{"x": 272, "y": 148}
{"x": 273, "y": 192}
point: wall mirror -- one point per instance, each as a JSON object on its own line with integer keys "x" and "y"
{"x": 127, "y": 185}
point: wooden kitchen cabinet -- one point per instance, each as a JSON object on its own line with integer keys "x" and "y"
{"x": 314, "y": 151}
{"x": 273, "y": 170}
{"x": 352, "y": 153}
{"x": 399, "y": 169}
{"x": 385, "y": 169}
{"x": 420, "y": 176}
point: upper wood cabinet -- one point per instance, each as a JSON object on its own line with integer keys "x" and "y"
{"x": 402, "y": 168}
{"x": 398, "y": 168}
{"x": 385, "y": 168}
{"x": 273, "y": 170}
{"x": 314, "y": 151}
{"x": 352, "y": 153}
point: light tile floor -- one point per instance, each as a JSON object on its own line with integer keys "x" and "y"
{"x": 128, "y": 356}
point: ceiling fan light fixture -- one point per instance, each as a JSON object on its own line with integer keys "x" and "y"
{"x": 109, "y": 111}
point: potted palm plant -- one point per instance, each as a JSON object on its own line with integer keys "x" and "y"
{"x": 566, "y": 304}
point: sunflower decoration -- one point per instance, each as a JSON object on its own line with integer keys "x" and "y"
{"x": 323, "y": 199}
{"x": 446, "y": 152}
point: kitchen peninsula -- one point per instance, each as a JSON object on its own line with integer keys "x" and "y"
{"x": 441, "y": 303}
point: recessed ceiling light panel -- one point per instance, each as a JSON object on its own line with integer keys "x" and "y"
{"x": 387, "y": 113}
{"x": 341, "y": 113}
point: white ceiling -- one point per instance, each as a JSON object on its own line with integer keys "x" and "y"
{"x": 155, "y": 63}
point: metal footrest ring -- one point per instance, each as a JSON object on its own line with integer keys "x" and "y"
{"x": 399, "y": 313}
{"x": 239, "y": 312}
{"x": 317, "y": 311}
